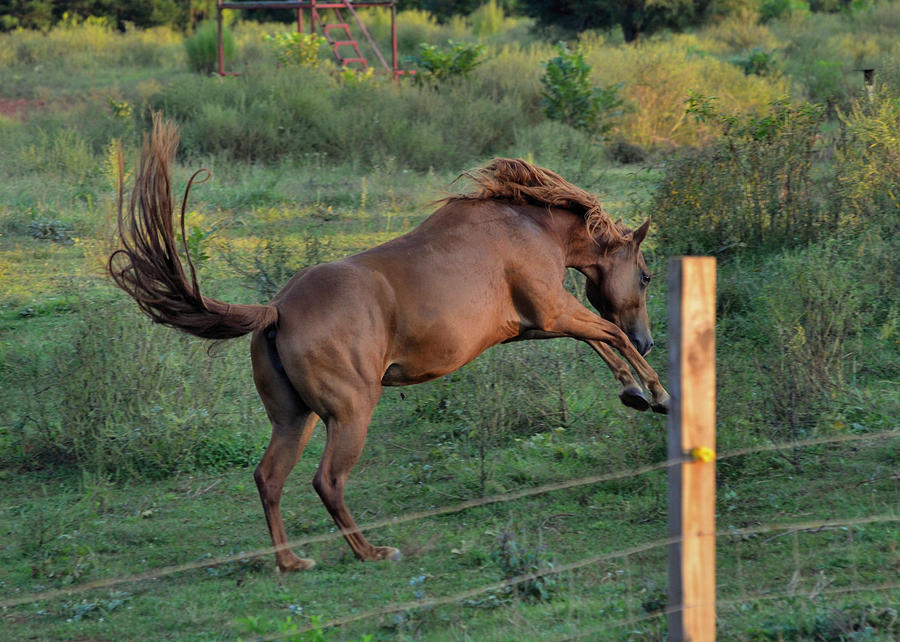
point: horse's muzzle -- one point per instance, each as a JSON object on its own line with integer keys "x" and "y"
{"x": 643, "y": 345}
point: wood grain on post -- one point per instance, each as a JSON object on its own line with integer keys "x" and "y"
{"x": 692, "y": 438}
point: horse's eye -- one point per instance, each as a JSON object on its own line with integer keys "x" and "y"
{"x": 645, "y": 278}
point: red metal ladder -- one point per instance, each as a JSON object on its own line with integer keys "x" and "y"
{"x": 344, "y": 40}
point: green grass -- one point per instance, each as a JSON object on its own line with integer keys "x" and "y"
{"x": 127, "y": 448}
{"x": 64, "y": 533}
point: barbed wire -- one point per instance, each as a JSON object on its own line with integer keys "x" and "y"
{"x": 589, "y": 561}
{"x": 166, "y": 571}
{"x": 752, "y": 597}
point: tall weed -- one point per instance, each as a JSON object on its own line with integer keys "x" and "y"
{"x": 89, "y": 44}
{"x": 752, "y": 189}
{"x": 202, "y": 47}
{"x": 123, "y": 398}
{"x": 297, "y": 111}
{"x": 867, "y": 163}
{"x": 657, "y": 78}
{"x": 814, "y": 302}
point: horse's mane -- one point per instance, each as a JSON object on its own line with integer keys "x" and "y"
{"x": 521, "y": 182}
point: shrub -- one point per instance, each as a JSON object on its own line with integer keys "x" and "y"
{"x": 459, "y": 60}
{"x": 202, "y": 48}
{"x": 757, "y": 62}
{"x": 123, "y": 398}
{"x": 867, "y": 160}
{"x": 772, "y": 9}
{"x": 516, "y": 559}
{"x": 569, "y": 96}
{"x": 487, "y": 19}
{"x": 814, "y": 303}
{"x": 657, "y": 77}
{"x": 299, "y": 111}
{"x": 296, "y": 49}
{"x": 753, "y": 188}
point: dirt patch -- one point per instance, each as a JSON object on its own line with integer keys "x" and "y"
{"x": 20, "y": 108}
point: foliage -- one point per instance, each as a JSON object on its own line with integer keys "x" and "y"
{"x": 569, "y": 97}
{"x": 260, "y": 116}
{"x": 459, "y": 60}
{"x": 269, "y": 264}
{"x": 350, "y": 76}
{"x": 290, "y": 150}
{"x": 757, "y": 62}
{"x": 487, "y": 20}
{"x": 296, "y": 49}
{"x": 867, "y": 159}
{"x": 57, "y": 231}
{"x": 41, "y": 14}
{"x": 637, "y": 18}
{"x": 122, "y": 404}
{"x": 442, "y": 9}
{"x": 814, "y": 301}
{"x": 516, "y": 560}
{"x": 772, "y": 9}
{"x": 656, "y": 78}
{"x": 752, "y": 189}
{"x": 203, "y": 47}
{"x": 26, "y": 14}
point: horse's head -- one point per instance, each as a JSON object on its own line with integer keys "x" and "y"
{"x": 617, "y": 287}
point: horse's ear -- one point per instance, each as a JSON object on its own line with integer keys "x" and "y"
{"x": 641, "y": 233}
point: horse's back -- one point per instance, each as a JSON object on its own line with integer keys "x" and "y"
{"x": 418, "y": 306}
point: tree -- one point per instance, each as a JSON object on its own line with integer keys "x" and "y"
{"x": 28, "y": 14}
{"x": 636, "y": 17}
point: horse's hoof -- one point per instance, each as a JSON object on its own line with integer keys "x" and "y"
{"x": 295, "y": 564}
{"x": 661, "y": 406}
{"x": 634, "y": 398}
{"x": 386, "y": 553}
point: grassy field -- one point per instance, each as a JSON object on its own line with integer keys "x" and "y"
{"x": 127, "y": 449}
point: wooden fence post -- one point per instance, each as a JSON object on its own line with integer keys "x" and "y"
{"x": 692, "y": 438}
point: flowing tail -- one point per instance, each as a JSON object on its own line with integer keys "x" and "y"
{"x": 147, "y": 265}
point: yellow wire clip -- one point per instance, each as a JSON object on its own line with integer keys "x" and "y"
{"x": 703, "y": 454}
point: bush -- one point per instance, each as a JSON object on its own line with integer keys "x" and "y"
{"x": 296, "y": 49}
{"x": 752, "y": 189}
{"x": 516, "y": 559}
{"x": 867, "y": 162}
{"x": 569, "y": 96}
{"x": 814, "y": 303}
{"x": 459, "y": 60}
{"x": 202, "y": 48}
{"x": 266, "y": 116}
{"x": 124, "y": 398}
{"x": 656, "y": 78}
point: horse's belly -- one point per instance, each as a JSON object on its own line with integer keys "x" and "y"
{"x": 398, "y": 375}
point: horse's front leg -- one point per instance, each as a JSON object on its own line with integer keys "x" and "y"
{"x": 578, "y": 322}
{"x": 631, "y": 394}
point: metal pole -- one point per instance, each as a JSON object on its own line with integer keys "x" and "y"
{"x": 219, "y": 42}
{"x": 692, "y": 439}
{"x": 394, "y": 40}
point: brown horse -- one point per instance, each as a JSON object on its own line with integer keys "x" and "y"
{"x": 485, "y": 268}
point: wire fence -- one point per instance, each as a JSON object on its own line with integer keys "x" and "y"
{"x": 723, "y": 535}
{"x": 791, "y": 527}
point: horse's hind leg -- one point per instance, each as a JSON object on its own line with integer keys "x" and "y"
{"x": 281, "y": 456}
{"x": 292, "y": 426}
{"x": 343, "y": 446}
